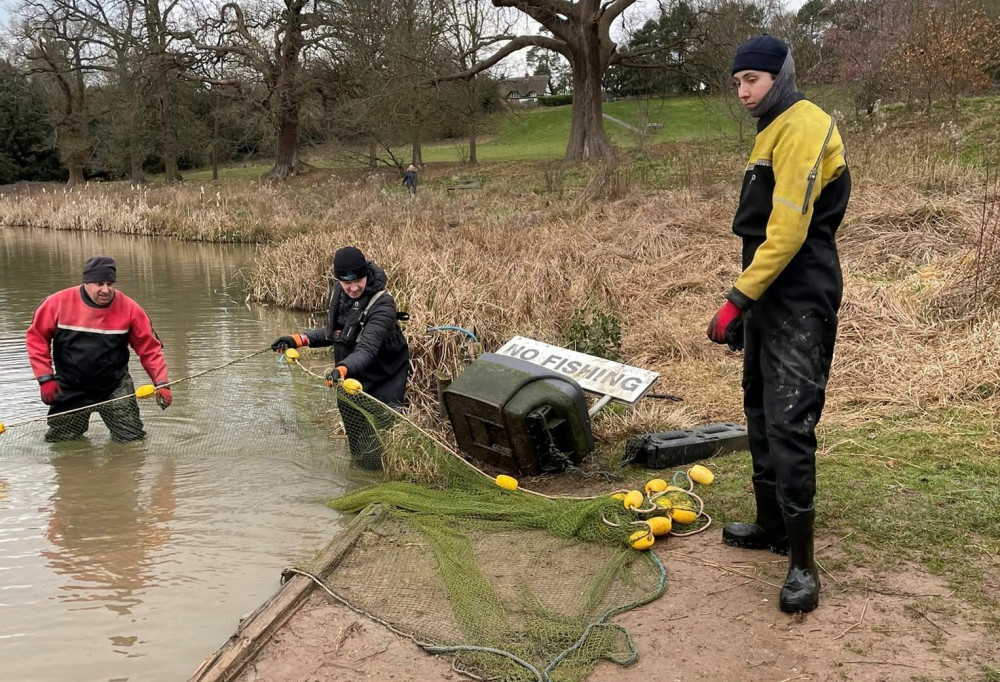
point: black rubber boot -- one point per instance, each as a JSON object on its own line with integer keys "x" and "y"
{"x": 800, "y": 593}
{"x": 769, "y": 530}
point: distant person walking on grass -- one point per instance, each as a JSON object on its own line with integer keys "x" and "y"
{"x": 410, "y": 180}
{"x": 78, "y": 345}
{"x": 782, "y": 309}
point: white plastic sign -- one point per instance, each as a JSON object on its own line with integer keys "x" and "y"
{"x": 597, "y": 375}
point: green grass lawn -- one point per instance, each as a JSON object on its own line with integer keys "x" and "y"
{"x": 919, "y": 488}
{"x": 539, "y": 133}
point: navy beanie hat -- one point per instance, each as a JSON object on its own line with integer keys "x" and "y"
{"x": 349, "y": 264}
{"x": 763, "y": 53}
{"x": 99, "y": 269}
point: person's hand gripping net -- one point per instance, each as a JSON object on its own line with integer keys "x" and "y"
{"x": 283, "y": 343}
{"x": 336, "y": 375}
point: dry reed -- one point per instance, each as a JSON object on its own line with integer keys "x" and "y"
{"x": 514, "y": 259}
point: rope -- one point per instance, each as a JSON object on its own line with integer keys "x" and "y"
{"x": 447, "y": 449}
{"x": 426, "y": 646}
{"x": 452, "y": 328}
{"x": 132, "y": 395}
{"x": 601, "y": 622}
{"x": 542, "y": 676}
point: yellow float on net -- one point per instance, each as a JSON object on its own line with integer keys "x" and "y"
{"x": 656, "y": 485}
{"x": 641, "y": 539}
{"x": 633, "y": 500}
{"x": 659, "y": 525}
{"x": 504, "y": 481}
{"x": 684, "y": 516}
{"x": 701, "y": 474}
{"x": 352, "y": 386}
{"x": 2, "y": 427}
{"x": 291, "y": 354}
{"x": 145, "y": 391}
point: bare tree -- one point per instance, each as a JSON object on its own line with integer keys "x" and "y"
{"x": 468, "y": 24}
{"x": 54, "y": 47}
{"x": 581, "y": 32}
{"x": 160, "y": 65}
{"x": 266, "y": 43}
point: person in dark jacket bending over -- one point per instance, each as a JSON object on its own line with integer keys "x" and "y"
{"x": 78, "y": 347}
{"x": 368, "y": 344}
{"x": 795, "y": 192}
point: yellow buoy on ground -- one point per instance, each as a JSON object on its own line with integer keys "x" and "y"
{"x": 656, "y": 485}
{"x": 2, "y": 427}
{"x": 145, "y": 391}
{"x": 659, "y": 525}
{"x": 291, "y": 354}
{"x": 641, "y": 539}
{"x": 701, "y": 474}
{"x": 504, "y": 481}
{"x": 683, "y": 516}
{"x": 352, "y": 386}
{"x": 633, "y": 500}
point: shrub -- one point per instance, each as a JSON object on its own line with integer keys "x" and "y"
{"x": 555, "y": 100}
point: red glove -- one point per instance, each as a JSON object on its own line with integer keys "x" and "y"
{"x": 50, "y": 390}
{"x": 720, "y": 323}
{"x": 163, "y": 397}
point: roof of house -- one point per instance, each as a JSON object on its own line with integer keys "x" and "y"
{"x": 536, "y": 84}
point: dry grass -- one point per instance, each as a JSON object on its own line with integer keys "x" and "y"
{"x": 918, "y": 328}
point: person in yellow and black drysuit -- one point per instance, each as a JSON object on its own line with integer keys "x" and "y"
{"x": 795, "y": 192}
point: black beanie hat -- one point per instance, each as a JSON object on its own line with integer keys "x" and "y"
{"x": 763, "y": 53}
{"x": 99, "y": 269}
{"x": 349, "y": 264}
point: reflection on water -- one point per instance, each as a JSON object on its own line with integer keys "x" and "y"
{"x": 102, "y": 532}
{"x": 134, "y": 561}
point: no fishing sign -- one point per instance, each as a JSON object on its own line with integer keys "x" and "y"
{"x": 597, "y": 375}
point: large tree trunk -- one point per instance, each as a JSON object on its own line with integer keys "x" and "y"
{"x": 75, "y": 174}
{"x": 372, "y": 155}
{"x": 587, "y": 139}
{"x": 286, "y": 160}
{"x": 417, "y": 152}
{"x": 472, "y": 144}
{"x": 135, "y": 176}
{"x": 162, "y": 68}
{"x": 163, "y": 122}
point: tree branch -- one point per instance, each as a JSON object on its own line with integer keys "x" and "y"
{"x": 518, "y": 43}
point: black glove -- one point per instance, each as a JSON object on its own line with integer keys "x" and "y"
{"x": 734, "y": 334}
{"x": 285, "y": 342}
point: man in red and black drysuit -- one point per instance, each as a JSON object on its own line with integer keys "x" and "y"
{"x": 78, "y": 346}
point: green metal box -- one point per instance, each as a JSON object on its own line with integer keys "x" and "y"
{"x": 517, "y": 416}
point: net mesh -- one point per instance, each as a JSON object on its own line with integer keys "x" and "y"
{"x": 514, "y": 585}
{"x": 511, "y": 584}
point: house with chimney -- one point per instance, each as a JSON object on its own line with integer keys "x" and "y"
{"x": 524, "y": 90}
